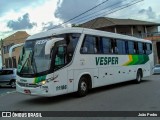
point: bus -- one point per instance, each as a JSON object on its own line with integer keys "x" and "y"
{"x": 67, "y": 60}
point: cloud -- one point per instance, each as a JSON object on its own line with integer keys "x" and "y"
{"x": 15, "y": 5}
{"x": 149, "y": 12}
{"x": 71, "y": 8}
{"x": 52, "y": 25}
{"x": 49, "y": 25}
{"x": 22, "y": 23}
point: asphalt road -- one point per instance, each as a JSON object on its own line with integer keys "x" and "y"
{"x": 119, "y": 97}
{"x": 6, "y": 90}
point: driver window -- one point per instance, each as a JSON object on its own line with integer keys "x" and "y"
{"x": 60, "y": 56}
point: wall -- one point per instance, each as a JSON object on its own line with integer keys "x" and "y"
{"x": 16, "y": 38}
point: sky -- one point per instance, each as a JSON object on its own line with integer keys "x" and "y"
{"x": 36, "y": 16}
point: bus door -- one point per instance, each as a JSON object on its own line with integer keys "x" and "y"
{"x": 70, "y": 80}
{"x": 60, "y": 71}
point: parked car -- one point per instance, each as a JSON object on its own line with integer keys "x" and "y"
{"x": 156, "y": 69}
{"x": 8, "y": 77}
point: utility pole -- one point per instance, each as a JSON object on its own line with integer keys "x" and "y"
{"x": 2, "y": 54}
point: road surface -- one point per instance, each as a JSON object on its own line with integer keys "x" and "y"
{"x": 119, "y": 97}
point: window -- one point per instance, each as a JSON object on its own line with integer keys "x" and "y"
{"x": 14, "y": 62}
{"x": 105, "y": 45}
{"x": 63, "y": 50}
{"x": 140, "y": 48}
{"x": 131, "y": 47}
{"x": 144, "y": 48}
{"x": 60, "y": 57}
{"x": 6, "y": 48}
{"x": 8, "y": 63}
{"x": 120, "y": 47}
{"x": 72, "y": 40}
{"x": 136, "y": 47}
{"x": 148, "y": 48}
{"x": 6, "y": 72}
{"x": 90, "y": 45}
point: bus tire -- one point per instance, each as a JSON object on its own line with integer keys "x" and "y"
{"x": 138, "y": 76}
{"x": 83, "y": 87}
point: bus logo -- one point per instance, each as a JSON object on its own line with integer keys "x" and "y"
{"x": 106, "y": 60}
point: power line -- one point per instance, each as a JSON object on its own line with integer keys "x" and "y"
{"x": 100, "y": 14}
{"x": 114, "y": 10}
{"x": 100, "y": 10}
{"x": 81, "y": 14}
{"x": 118, "y": 10}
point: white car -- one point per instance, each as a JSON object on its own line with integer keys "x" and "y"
{"x": 8, "y": 77}
{"x": 156, "y": 69}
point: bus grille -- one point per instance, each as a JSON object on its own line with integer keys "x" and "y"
{"x": 27, "y": 85}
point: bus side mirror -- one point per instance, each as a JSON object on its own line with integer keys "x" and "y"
{"x": 50, "y": 44}
{"x": 14, "y": 46}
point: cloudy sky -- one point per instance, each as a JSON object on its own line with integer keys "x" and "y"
{"x": 38, "y": 15}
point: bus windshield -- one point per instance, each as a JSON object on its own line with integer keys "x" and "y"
{"x": 33, "y": 59}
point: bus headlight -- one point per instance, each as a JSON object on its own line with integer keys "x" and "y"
{"x": 43, "y": 82}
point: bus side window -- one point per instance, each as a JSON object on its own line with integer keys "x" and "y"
{"x": 90, "y": 45}
{"x": 71, "y": 40}
{"x": 131, "y": 49}
{"x": 140, "y": 48}
{"x": 120, "y": 47}
{"x": 126, "y": 47}
{"x": 113, "y": 46}
{"x": 148, "y": 48}
{"x": 105, "y": 45}
{"x": 151, "y": 48}
{"x": 136, "y": 48}
{"x": 144, "y": 48}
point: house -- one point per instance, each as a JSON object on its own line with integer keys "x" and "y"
{"x": 136, "y": 28}
{"x": 16, "y": 38}
{"x": 155, "y": 38}
{"x": 123, "y": 26}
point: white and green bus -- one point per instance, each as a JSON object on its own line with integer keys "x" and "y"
{"x": 67, "y": 60}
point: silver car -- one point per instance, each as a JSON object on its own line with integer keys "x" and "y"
{"x": 156, "y": 69}
{"x": 8, "y": 77}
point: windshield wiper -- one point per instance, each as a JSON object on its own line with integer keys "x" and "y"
{"x": 33, "y": 63}
{"x": 28, "y": 60}
{"x": 23, "y": 65}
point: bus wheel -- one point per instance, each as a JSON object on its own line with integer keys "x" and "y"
{"x": 139, "y": 76}
{"x": 82, "y": 87}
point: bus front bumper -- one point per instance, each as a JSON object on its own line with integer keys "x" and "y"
{"x": 37, "y": 91}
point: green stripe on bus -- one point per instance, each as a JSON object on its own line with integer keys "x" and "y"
{"x": 137, "y": 60}
{"x": 39, "y": 79}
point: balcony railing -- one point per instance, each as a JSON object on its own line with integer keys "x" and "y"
{"x": 146, "y": 35}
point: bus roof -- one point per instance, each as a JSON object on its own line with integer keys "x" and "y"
{"x": 57, "y": 31}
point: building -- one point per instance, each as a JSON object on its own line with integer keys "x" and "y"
{"x": 136, "y": 28}
{"x": 123, "y": 26}
{"x": 155, "y": 38}
{"x": 16, "y": 38}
